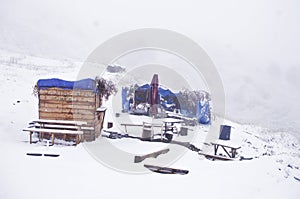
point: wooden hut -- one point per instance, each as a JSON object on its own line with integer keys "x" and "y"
{"x": 68, "y": 100}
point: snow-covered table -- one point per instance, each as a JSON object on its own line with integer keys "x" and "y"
{"x": 233, "y": 148}
{"x": 54, "y": 127}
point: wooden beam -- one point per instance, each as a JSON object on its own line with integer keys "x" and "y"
{"x": 140, "y": 158}
{"x": 166, "y": 170}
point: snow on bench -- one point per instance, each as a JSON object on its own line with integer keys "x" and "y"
{"x": 56, "y": 127}
{"x": 53, "y": 132}
{"x": 215, "y": 157}
{"x": 63, "y": 122}
{"x": 71, "y": 127}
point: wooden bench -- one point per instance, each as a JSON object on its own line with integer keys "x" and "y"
{"x": 231, "y": 154}
{"x": 215, "y": 157}
{"x": 57, "y": 127}
{"x": 139, "y": 125}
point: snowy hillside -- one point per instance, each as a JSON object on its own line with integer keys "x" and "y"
{"x": 271, "y": 171}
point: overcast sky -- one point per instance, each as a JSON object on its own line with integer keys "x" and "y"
{"x": 255, "y": 45}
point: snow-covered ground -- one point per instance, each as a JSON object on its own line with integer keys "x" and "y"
{"x": 76, "y": 174}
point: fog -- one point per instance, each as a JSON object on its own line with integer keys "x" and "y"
{"x": 255, "y": 45}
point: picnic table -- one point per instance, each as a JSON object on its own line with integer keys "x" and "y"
{"x": 172, "y": 125}
{"x": 139, "y": 125}
{"x": 233, "y": 148}
{"x": 57, "y": 127}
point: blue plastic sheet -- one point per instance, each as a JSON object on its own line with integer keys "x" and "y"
{"x": 84, "y": 84}
{"x": 203, "y": 113}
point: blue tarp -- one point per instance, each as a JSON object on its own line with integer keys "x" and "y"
{"x": 203, "y": 113}
{"x": 145, "y": 86}
{"x": 167, "y": 98}
{"x": 164, "y": 93}
{"x": 125, "y": 103}
{"x": 84, "y": 84}
{"x": 167, "y": 95}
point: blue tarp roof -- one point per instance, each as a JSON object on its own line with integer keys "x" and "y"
{"x": 161, "y": 91}
{"x": 84, "y": 84}
{"x": 145, "y": 86}
{"x": 165, "y": 92}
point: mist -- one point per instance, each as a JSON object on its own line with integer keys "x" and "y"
{"x": 255, "y": 45}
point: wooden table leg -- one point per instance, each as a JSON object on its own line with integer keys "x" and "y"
{"x": 233, "y": 152}
{"x": 226, "y": 151}
{"x": 30, "y": 137}
{"x": 77, "y": 139}
{"x": 216, "y": 149}
{"x": 52, "y": 136}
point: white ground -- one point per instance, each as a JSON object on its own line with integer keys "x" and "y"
{"x": 76, "y": 174}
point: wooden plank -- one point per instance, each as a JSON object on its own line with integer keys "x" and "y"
{"x": 217, "y": 157}
{"x": 67, "y": 110}
{"x": 140, "y": 158}
{"x": 54, "y": 131}
{"x": 55, "y": 126}
{"x": 66, "y": 102}
{"x": 53, "y": 91}
{"x": 153, "y": 125}
{"x": 87, "y": 128}
{"x": 165, "y": 170}
{"x": 65, "y": 116}
{"x": 80, "y": 123}
{"x": 68, "y": 106}
{"x": 232, "y": 147}
{"x": 68, "y": 98}
{"x": 79, "y": 93}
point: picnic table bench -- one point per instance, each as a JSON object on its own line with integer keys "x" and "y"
{"x": 57, "y": 127}
{"x": 139, "y": 125}
{"x": 230, "y": 154}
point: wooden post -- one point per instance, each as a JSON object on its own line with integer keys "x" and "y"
{"x": 226, "y": 151}
{"x": 233, "y": 152}
{"x": 52, "y": 136}
{"x": 30, "y": 137}
{"x": 77, "y": 139}
{"x": 216, "y": 148}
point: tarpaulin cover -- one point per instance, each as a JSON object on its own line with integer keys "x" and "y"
{"x": 167, "y": 94}
{"x": 125, "y": 102}
{"x": 203, "y": 113}
{"x": 84, "y": 84}
{"x": 145, "y": 86}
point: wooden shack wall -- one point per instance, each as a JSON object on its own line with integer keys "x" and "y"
{"x": 81, "y": 105}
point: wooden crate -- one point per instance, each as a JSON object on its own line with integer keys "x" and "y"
{"x": 81, "y": 105}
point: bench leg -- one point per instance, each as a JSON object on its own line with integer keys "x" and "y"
{"x": 226, "y": 152}
{"x": 30, "y": 137}
{"x": 41, "y": 135}
{"x": 233, "y": 152}
{"x": 52, "y": 137}
{"x": 216, "y": 149}
{"x": 77, "y": 139}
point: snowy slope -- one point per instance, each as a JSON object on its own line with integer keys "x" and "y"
{"x": 76, "y": 174}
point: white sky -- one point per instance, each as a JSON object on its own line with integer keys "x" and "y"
{"x": 255, "y": 44}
